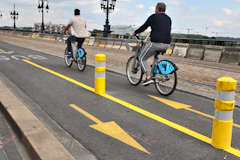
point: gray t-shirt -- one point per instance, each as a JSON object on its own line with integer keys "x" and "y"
{"x": 78, "y": 27}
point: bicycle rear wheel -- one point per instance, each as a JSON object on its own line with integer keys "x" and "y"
{"x": 81, "y": 63}
{"x": 166, "y": 84}
{"x": 134, "y": 73}
{"x": 68, "y": 59}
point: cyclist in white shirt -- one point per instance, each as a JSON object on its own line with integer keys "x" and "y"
{"x": 78, "y": 31}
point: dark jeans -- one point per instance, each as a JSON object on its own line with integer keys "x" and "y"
{"x": 74, "y": 39}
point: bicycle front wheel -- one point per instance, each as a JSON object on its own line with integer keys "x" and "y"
{"x": 68, "y": 59}
{"x": 81, "y": 63}
{"x": 166, "y": 84}
{"x": 134, "y": 71}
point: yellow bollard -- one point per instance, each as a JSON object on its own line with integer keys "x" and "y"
{"x": 100, "y": 74}
{"x": 224, "y": 106}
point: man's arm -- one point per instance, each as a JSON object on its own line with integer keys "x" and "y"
{"x": 67, "y": 28}
{"x": 144, "y": 26}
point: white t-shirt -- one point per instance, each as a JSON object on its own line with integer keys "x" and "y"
{"x": 78, "y": 27}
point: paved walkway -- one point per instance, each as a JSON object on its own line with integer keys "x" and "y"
{"x": 199, "y": 76}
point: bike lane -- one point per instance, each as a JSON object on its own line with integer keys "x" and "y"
{"x": 54, "y": 95}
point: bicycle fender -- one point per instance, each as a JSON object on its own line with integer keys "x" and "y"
{"x": 81, "y": 52}
{"x": 166, "y": 67}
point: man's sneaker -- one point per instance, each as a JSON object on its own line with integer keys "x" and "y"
{"x": 148, "y": 81}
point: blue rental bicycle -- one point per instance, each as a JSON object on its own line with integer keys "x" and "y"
{"x": 78, "y": 56}
{"x": 163, "y": 72}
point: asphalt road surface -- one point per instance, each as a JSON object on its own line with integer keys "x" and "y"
{"x": 128, "y": 123}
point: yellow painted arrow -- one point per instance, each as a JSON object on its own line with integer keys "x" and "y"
{"x": 178, "y": 105}
{"x": 173, "y": 104}
{"x": 111, "y": 129}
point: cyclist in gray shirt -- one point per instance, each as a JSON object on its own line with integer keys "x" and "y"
{"x": 160, "y": 24}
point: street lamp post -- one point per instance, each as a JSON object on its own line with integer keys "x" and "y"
{"x": 1, "y": 14}
{"x": 14, "y": 16}
{"x": 41, "y": 7}
{"x": 107, "y": 6}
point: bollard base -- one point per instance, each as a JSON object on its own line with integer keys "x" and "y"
{"x": 100, "y": 85}
{"x": 222, "y": 134}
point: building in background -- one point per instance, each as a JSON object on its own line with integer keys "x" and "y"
{"x": 117, "y": 31}
{"x": 125, "y": 32}
{"x": 122, "y": 31}
{"x": 50, "y": 28}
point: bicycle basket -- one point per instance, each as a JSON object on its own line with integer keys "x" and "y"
{"x": 166, "y": 67}
{"x": 81, "y": 52}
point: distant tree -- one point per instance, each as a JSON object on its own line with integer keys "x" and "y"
{"x": 95, "y": 31}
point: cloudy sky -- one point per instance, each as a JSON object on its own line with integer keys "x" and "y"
{"x": 211, "y": 17}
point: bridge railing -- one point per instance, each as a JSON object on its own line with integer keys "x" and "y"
{"x": 221, "y": 52}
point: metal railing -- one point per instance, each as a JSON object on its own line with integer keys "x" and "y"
{"x": 216, "y": 42}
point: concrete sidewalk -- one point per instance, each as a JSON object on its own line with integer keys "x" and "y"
{"x": 37, "y": 138}
{"x": 37, "y": 132}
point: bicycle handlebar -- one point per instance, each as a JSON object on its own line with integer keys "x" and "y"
{"x": 141, "y": 41}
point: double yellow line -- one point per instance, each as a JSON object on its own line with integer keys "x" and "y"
{"x": 139, "y": 110}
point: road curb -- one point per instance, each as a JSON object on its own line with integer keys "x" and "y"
{"x": 38, "y": 140}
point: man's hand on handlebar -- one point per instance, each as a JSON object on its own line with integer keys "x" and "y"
{"x": 137, "y": 37}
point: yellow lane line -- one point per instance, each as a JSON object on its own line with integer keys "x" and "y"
{"x": 198, "y": 112}
{"x": 173, "y": 104}
{"x": 233, "y": 151}
{"x": 160, "y": 119}
{"x": 207, "y": 115}
{"x": 140, "y": 110}
{"x": 94, "y": 119}
{"x": 2, "y": 50}
{"x": 178, "y": 105}
{"x": 61, "y": 76}
{"x": 236, "y": 125}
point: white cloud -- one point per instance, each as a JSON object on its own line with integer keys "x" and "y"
{"x": 26, "y": 2}
{"x": 218, "y": 23}
{"x": 128, "y": 17}
{"x": 193, "y": 8}
{"x": 227, "y": 11}
{"x": 222, "y": 23}
{"x": 140, "y": 6}
{"x": 152, "y": 9}
{"x": 174, "y": 2}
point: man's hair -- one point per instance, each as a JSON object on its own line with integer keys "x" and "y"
{"x": 161, "y": 7}
{"x": 76, "y": 12}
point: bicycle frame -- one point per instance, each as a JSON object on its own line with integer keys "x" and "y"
{"x": 138, "y": 52}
